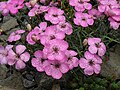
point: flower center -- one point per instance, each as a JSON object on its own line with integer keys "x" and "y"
{"x": 55, "y": 49}
{"x": 34, "y": 38}
{"x": 52, "y": 37}
{"x": 98, "y": 45}
{"x": 55, "y": 15}
{"x": 91, "y": 62}
{"x": 57, "y": 65}
{"x": 63, "y": 26}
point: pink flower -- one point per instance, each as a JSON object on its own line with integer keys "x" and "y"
{"x": 105, "y": 5}
{"x": 33, "y": 36}
{"x": 50, "y": 34}
{"x": 72, "y": 61}
{"x": 19, "y": 58}
{"x": 90, "y": 64}
{"x": 37, "y": 9}
{"x": 115, "y": 25}
{"x": 15, "y": 5}
{"x": 14, "y": 36}
{"x": 55, "y": 49}
{"x": 54, "y": 15}
{"x": 4, "y": 54}
{"x": 40, "y": 61}
{"x": 95, "y": 45}
{"x": 65, "y": 27}
{"x": 83, "y": 19}
{"x": 56, "y": 69}
{"x": 4, "y": 8}
{"x": 80, "y": 5}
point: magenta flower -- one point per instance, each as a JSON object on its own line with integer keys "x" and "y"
{"x": 90, "y": 64}
{"x": 95, "y": 45}
{"x": 50, "y": 34}
{"x": 55, "y": 49}
{"x": 4, "y": 53}
{"x": 4, "y": 8}
{"x": 14, "y": 36}
{"x": 54, "y": 15}
{"x": 83, "y": 19}
{"x": 19, "y": 58}
{"x": 15, "y": 5}
{"x": 72, "y": 61}
{"x": 65, "y": 27}
{"x": 80, "y": 5}
{"x": 37, "y": 9}
{"x": 40, "y": 61}
{"x": 56, "y": 69}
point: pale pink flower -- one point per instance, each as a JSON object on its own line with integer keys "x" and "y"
{"x": 65, "y": 27}
{"x": 15, "y": 5}
{"x": 56, "y": 69}
{"x": 4, "y": 53}
{"x": 56, "y": 49}
{"x": 37, "y": 9}
{"x": 72, "y": 60}
{"x": 83, "y": 19}
{"x": 90, "y": 64}
{"x": 33, "y": 36}
{"x": 4, "y": 8}
{"x": 50, "y": 34}
{"x": 40, "y": 61}
{"x": 105, "y": 5}
{"x": 19, "y": 57}
{"x": 80, "y": 5}
{"x": 54, "y": 15}
{"x": 15, "y": 36}
{"x": 96, "y": 46}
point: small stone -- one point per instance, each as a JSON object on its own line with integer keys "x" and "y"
{"x": 9, "y": 24}
{"x": 111, "y": 67}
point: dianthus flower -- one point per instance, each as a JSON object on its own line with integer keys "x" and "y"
{"x": 37, "y": 9}
{"x": 50, "y": 34}
{"x": 4, "y": 8}
{"x": 54, "y": 15}
{"x": 95, "y": 45}
{"x": 15, "y": 5}
{"x": 64, "y": 27}
{"x": 72, "y": 61}
{"x": 80, "y": 5}
{"x": 56, "y": 69}
{"x": 40, "y": 61}
{"x": 4, "y": 53}
{"x": 14, "y": 36}
{"x": 83, "y": 19}
{"x": 90, "y": 64}
{"x": 19, "y": 57}
{"x": 56, "y": 49}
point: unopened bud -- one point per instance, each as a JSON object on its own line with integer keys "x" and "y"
{"x": 33, "y": 2}
{"x": 29, "y": 28}
{"x": 34, "y": 38}
{"x": 85, "y": 41}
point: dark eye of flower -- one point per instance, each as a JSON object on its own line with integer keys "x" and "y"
{"x": 97, "y": 45}
{"x": 55, "y": 49}
{"x": 57, "y": 65}
{"x": 91, "y": 62}
{"x": 52, "y": 37}
{"x": 63, "y": 26}
{"x": 55, "y": 15}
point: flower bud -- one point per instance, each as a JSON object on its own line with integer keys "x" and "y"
{"x": 29, "y": 28}
{"x": 33, "y": 2}
{"x": 85, "y": 41}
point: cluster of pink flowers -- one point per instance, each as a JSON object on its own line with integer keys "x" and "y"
{"x": 11, "y": 6}
{"x": 92, "y": 58}
{"x": 82, "y": 18}
{"x": 55, "y": 59}
{"x": 111, "y": 8}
